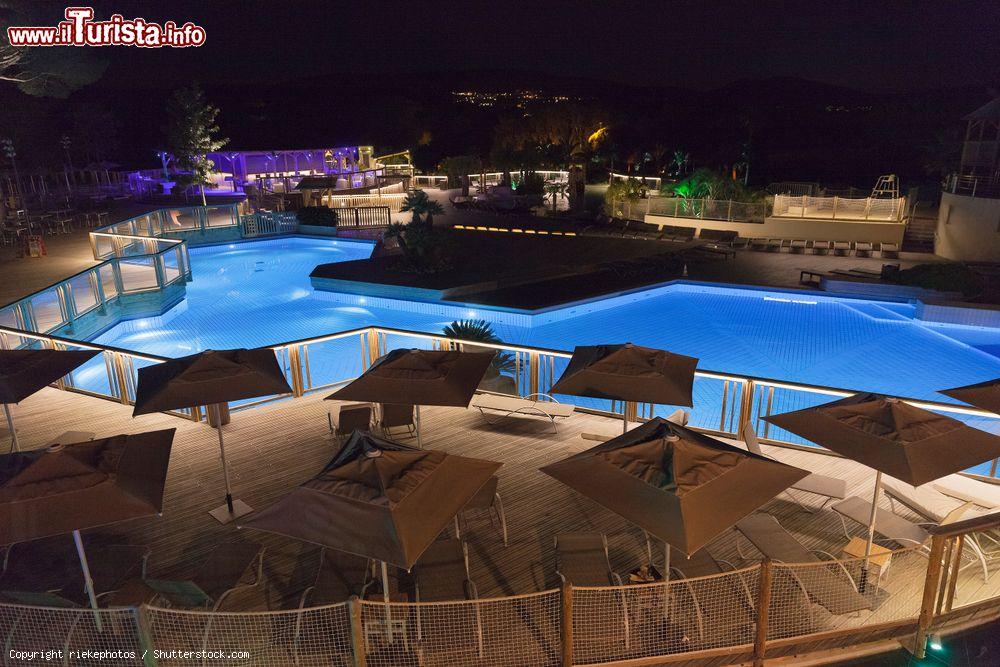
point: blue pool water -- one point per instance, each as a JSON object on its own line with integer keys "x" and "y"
{"x": 253, "y": 294}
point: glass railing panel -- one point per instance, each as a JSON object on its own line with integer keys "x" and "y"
{"x": 395, "y": 341}
{"x": 171, "y": 264}
{"x": 106, "y": 274}
{"x": 138, "y": 273}
{"x": 330, "y": 361}
{"x": 716, "y": 405}
{"x": 769, "y": 400}
{"x": 84, "y": 295}
{"x": 8, "y": 318}
{"x": 180, "y": 219}
{"x": 104, "y": 245}
{"x": 47, "y": 310}
{"x": 220, "y": 216}
{"x": 93, "y": 376}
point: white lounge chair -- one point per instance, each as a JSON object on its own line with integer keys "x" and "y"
{"x": 831, "y": 488}
{"x": 512, "y": 406}
{"x": 981, "y": 494}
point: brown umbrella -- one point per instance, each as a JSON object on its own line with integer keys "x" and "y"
{"x": 23, "y": 372}
{"x": 69, "y": 488}
{"x": 984, "y": 395}
{"x": 210, "y": 378}
{"x": 419, "y": 377}
{"x": 378, "y": 499}
{"x": 680, "y": 486}
{"x": 628, "y": 373}
{"x": 893, "y": 437}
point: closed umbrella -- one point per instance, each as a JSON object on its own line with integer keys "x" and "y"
{"x": 69, "y": 488}
{"x": 893, "y": 437}
{"x": 211, "y": 378}
{"x": 629, "y": 373}
{"x": 23, "y": 372}
{"x": 678, "y": 485}
{"x": 378, "y": 499}
{"x": 419, "y": 377}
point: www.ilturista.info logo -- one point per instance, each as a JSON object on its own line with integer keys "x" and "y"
{"x": 80, "y": 29}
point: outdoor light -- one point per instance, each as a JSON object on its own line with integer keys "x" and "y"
{"x": 934, "y": 642}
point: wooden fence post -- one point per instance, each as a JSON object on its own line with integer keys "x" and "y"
{"x": 566, "y": 624}
{"x": 932, "y": 582}
{"x": 763, "y": 608}
{"x": 357, "y": 631}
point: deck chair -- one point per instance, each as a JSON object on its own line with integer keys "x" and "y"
{"x": 982, "y": 546}
{"x": 110, "y": 567}
{"x": 960, "y": 487}
{"x": 442, "y": 575}
{"x": 219, "y": 576}
{"x": 356, "y": 416}
{"x": 889, "y": 250}
{"x": 798, "y": 246}
{"x": 340, "y": 575}
{"x": 395, "y": 415}
{"x": 703, "y": 564}
{"x": 888, "y": 525}
{"x": 822, "y": 247}
{"x": 488, "y": 499}
{"x": 831, "y": 587}
{"x": 831, "y": 488}
{"x": 842, "y": 248}
{"x": 582, "y": 560}
{"x": 494, "y": 405}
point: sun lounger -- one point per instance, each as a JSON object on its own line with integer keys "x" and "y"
{"x": 831, "y": 488}
{"x": 582, "y": 560}
{"x": 863, "y": 249}
{"x": 511, "y": 406}
{"x": 488, "y": 499}
{"x": 970, "y": 490}
{"x": 217, "y": 577}
{"x": 442, "y": 575}
{"x": 890, "y": 250}
{"x": 887, "y": 524}
{"x": 775, "y": 245}
{"x": 715, "y": 606}
{"x": 357, "y": 416}
{"x": 842, "y": 248}
{"x": 822, "y": 247}
{"x": 396, "y": 416}
{"x": 798, "y": 246}
{"x": 758, "y": 243}
{"x": 831, "y": 587}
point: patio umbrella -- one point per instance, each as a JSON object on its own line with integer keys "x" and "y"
{"x": 984, "y": 395}
{"x": 893, "y": 437}
{"x": 680, "y": 486}
{"x": 23, "y": 372}
{"x": 69, "y": 488}
{"x": 419, "y": 377}
{"x": 210, "y": 378}
{"x": 628, "y": 373}
{"x": 378, "y": 499}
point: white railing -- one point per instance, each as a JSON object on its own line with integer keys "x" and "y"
{"x": 839, "y": 208}
{"x": 268, "y": 223}
{"x": 393, "y": 200}
{"x": 696, "y": 209}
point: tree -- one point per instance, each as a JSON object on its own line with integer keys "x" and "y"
{"x": 629, "y": 190}
{"x": 419, "y": 204}
{"x": 43, "y": 71}
{"x": 481, "y": 331}
{"x": 191, "y": 134}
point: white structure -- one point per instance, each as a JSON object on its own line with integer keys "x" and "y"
{"x": 968, "y": 226}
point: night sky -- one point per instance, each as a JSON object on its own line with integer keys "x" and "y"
{"x": 872, "y": 46}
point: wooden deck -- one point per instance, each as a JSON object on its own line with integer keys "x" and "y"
{"x": 273, "y": 447}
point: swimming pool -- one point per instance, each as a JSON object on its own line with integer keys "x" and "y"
{"x": 258, "y": 293}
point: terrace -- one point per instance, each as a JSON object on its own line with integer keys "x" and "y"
{"x": 525, "y": 618}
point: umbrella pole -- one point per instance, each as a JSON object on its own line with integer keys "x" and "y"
{"x": 87, "y": 581}
{"x": 232, "y": 509}
{"x": 871, "y": 531}
{"x": 10, "y": 423}
{"x": 385, "y": 599}
{"x": 666, "y": 579}
{"x": 416, "y": 418}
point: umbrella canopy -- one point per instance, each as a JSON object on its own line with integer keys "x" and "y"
{"x": 893, "y": 437}
{"x": 74, "y": 487}
{"x": 984, "y": 395}
{"x": 378, "y": 499}
{"x": 23, "y": 372}
{"x": 678, "y": 485}
{"x": 628, "y": 373}
{"x": 209, "y": 378}
{"x": 419, "y": 377}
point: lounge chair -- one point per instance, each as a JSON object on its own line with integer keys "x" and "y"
{"x": 111, "y": 566}
{"x": 822, "y": 247}
{"x": 925, "y": 504}
{"x": 842, "y": 248}
{"x": 218, "y": 577}
{"x": 488, "y": 499}
{"x": 863, "y": 249}
{"x": 339, "y": 576}
{"x": 887, "y": 524}
{"x": 442, "y": 575}
{"x": 394, "y": 415}
{"x": 356, "y": 416}
{"x": 716, "y": 605}
{"x": 831, "y": 488}
{"x": 758, "y": 243}
{"x": 981, "y": 494}
{"x": 512, "y": 406}
{"x": 798, "y": 246}
{"x": 582, "y": 560}
{"x": 775, "y": 245}
{"x": 890, "y": 250}
{"x": 831, "y": 587}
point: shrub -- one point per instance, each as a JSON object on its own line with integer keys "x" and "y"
{"x": 318, "y": 216}
{"x": 531, "y": 184}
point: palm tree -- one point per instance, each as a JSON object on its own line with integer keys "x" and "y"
{"x": 419, "y": 204}
{"x": 481, "y": 331}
